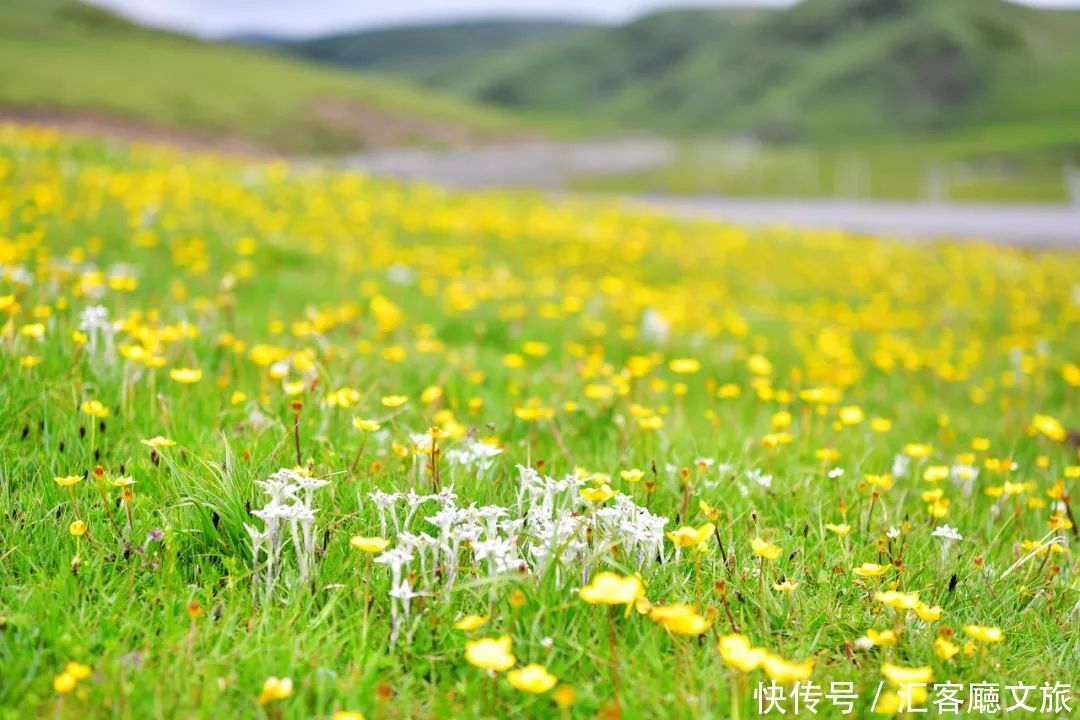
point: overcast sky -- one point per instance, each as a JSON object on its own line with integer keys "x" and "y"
{"x": 310, "y": 17}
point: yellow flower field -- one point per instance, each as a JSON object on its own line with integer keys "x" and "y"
{"x": 283, "y": 441}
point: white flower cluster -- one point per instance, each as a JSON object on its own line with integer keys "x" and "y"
{"x": 289, "y": 514}
{"x": 550, "y": 528}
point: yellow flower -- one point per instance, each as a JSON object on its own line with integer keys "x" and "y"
{"x": 765, "y": 549}
{"x": 237, "y": 397}
{"x": 599, "y": 494}
{"x": 927, "y": 613}
{"x": 77, "y": 528}
{"x": 775, "y": 440}
{"x": 899, "y": 675}
{"x": 292, "y": 388}
{"x": 882, "y": 481}
{"x": 679, "y": 619}
{"x": 691, "y": 537}
{"x": 158, "y": 442}
{"x": 945, "y": 648}
{"x": 34, "y": 330}
{"x": 94, "y": 408}
{"x": 984, "y": 634}
{"x": 609, "y": 588}
{"x": 907, "y": 676}
{"x": 77, "y": 670}
{"x": 394, "y": 401}
{"x": 891, "y": 702}
{"x": 898, "y": 600}
{"x": 63, "y": 683}
{"x": 1049, "y": 426}
{"x": 68, "y": 480}
{"x": 918, "y": 450}
{"x": 347, "y": 715}
{"x": 490, "y": 653}
{"x": 532, "y": 678}
{"x": 788, "y": 585}
{"x": 186, "y": 376}
{"x": 685, "y": 366}
{"x": 123, "y": 481}
{"x": 365, "y": 425}
{"x": 842, "y": 529}
{"x": 851, "y": 415}
{"x": 935, "y": 473}
{"x": 736, "y": 652}
{"x": 881, "y": 639}
{"x": 470, "y": 622}
{"x": 652, "y": 422}
{"x": 275, "y": 689}
{"x": 369, "y": 544}
{"x": 880, "y": 425}
{"x": 631, "y": 476}
{"x": 784, "y": 671}
{"x": 1043, "y": 548}
{"x": 564, "y": 696}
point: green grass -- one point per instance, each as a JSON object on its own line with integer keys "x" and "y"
{"x": 505, "y": 302}
{"x": 66, "y": 57}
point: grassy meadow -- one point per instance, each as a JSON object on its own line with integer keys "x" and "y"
{"x": 291, "y": 443}
{"x": 73, "y": 60}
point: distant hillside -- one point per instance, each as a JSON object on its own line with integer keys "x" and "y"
{"x": 820, "y": 70}
{"x": 402, "y": 48}
{"x": 75, "y": 64}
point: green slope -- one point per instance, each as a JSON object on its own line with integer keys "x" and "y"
{"x": 822, "y": 70}
{"x": 401, "y": 49}
{"x": 63, "y": 58}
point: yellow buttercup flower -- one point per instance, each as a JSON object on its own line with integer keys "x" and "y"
{"x": 608, "y": 588}
{"x": 685, "y": 366}
{"x": 631, "y": 476}
{"x": 365, "y": 425}
{"x": 94, "y": 408}
{"x": 686, "y": 537}
{"x": 275, "y": 689}
{"x": 842, "y": 529}
{"x": 900, "y": 675}
{"x": 764, "y": 549}
{"x": 490, "y": 653}
{"x": 679, "y": 619}
{"x": 532, "y": 678}
{"x": 68, "y": 480}
{"x": 898, "y": 600}
{"x": 394, "y": 401}
{"x": 470, "y": 622}
{"x": 737, "y": 652}
{"x": 186, "y": 376}
{"x": 785, "y": 671}
{"x": 945, "y": 649}
{"x": 883, "y": 638}
{"x": 598, "y": 494}
{"x": 984, "y": 634}
{"x": 77, "y": 528}
{"x": 158, "y": 442}
{"x": 369, "y": 544}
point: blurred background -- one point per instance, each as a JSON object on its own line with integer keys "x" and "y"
{"x": 929, "y": 101}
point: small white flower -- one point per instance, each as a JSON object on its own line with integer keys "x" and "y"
{"x": 945, "y": 532}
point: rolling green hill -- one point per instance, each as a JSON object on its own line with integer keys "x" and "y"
{"x": 69, "y": 61}
{"x": 402, "y": 49}
{"x": 822, "y": 70}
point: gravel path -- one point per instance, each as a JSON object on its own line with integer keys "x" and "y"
{"x": 1024, "y": 225}
{"x": 551, "y": 165}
